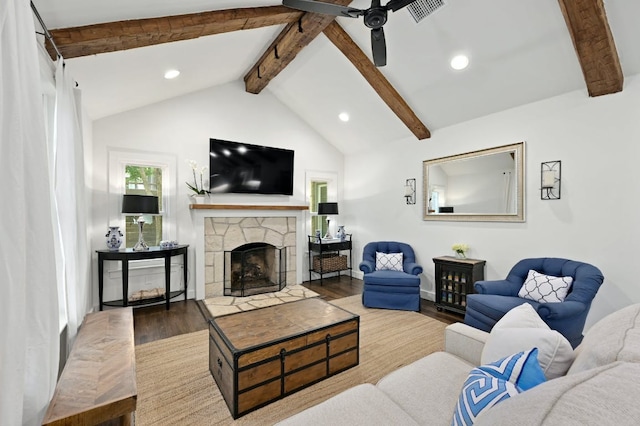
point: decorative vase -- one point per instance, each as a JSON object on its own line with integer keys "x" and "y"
{"x": 114, "y": 238}
{"x": 318, "y": 236}
{"x": 340, "y": 233}
{"x": 198, "y": 199}
{"x": 460, "y": 255}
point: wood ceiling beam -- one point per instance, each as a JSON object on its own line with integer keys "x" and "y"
{"x": 380, "y": 84}
{"x": 291, "y": 40}
{"x": 594, "y": 45}
{"x": 300, "y": 30}
{"x": 123, "y": 35}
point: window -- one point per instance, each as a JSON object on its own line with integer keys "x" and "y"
{"x": 321, "y": 187}
{"x": 436, "y": 199}
{"x": 318, "y": 195}
{"x": 143, "y": 173}
{"x": 144, "y": 180}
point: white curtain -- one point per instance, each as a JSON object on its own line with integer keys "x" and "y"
{"x": 29, "y": 305}
{"x": 70, "y": 206}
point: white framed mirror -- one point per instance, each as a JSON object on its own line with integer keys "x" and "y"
{"x": 478, "y": 186}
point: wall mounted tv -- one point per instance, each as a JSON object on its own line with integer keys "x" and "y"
{"x": 249, "y": 169}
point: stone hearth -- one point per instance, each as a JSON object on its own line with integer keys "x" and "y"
{"x": 225, "y": 305}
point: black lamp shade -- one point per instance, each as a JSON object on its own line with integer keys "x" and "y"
{"x": 140, "y": 204}
{"x": 327, "y": 208}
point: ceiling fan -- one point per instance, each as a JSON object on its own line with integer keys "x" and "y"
{"x": 374, "y": 18}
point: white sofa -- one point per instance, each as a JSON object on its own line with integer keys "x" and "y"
{"x": 601, "y": 387}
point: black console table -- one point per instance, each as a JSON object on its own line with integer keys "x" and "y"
{"x": 125, "y": 255}
{"x": 327, "y": 256}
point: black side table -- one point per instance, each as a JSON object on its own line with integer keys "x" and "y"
{"x": 327, "y": 256}
{"x": 454, "y": 279}
{"x": 125, "y": 255}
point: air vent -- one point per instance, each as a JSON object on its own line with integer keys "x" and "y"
{"x": 420, "y": 9}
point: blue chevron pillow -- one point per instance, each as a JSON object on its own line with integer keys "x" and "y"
{"x": 492, "y": 383}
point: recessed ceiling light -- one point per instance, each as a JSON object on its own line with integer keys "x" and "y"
{"x": 171, "y": 74}
{"x": 343, "y": 116}
{"x": 459, "y": 62}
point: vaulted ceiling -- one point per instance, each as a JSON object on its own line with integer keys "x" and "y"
{"x": 520, "y": 51}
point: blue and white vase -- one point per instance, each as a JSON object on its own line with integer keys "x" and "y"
{"x": 114, "y": 238}
{"x": 318, "y": 236}
{"x": 341, "y": 234}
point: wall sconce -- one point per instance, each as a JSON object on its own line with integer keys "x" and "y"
{"x": 410, "y": 191}
{"x": 550, "y": 180}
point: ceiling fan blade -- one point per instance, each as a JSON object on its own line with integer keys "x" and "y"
{"x": 394, "y": 5}
{"x": 325, "y": 8}
{"x": 378, "y": 47}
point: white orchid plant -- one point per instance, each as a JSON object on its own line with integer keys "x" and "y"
{"x": 197, "y": 189}
{"x": 460, "y": 249}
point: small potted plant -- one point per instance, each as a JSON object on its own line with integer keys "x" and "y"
{"x": 198, "y": 190}
{"x": 460, "y": 250}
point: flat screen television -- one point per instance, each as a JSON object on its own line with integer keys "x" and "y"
{"x": 243, "y": 168}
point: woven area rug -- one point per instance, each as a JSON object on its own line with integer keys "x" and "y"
{"x": 176, "y": 388}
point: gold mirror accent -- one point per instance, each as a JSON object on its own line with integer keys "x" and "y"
{"x": 479, "y": 186}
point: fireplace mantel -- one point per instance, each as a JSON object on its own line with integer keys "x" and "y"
{"x": 245, "y": 207}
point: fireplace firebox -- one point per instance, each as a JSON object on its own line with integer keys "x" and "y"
{"x": 254, "y": 268}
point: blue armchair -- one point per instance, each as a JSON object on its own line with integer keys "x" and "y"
{"x": 493, "y": 299}
{"x": 386, "y": 288}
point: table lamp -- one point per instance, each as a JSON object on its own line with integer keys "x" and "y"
{"x": 326, "y": 209}
{"x": 140, "y": 205}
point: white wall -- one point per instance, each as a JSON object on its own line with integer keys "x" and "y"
{"x": 596, "y": 139}
{"x": 596, "y": 220}
{"x": 182, "y": 127}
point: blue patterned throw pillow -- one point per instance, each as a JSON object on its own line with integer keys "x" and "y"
{"x": 490, "y": 384}
{"x": 388, "y": 261}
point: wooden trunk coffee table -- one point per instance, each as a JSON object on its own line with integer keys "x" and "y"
{"x": 259, "y": 356}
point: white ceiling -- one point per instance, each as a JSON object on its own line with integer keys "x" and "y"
{"x": 520, "y": 51}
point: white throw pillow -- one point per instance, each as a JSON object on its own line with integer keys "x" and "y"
{"x": 545, "y": 288}
{"x": 523, "y": 316}
{"x": 522, "y": 329}
{"x": 389, "y": 261}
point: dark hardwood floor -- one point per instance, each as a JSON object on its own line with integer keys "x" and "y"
{"x": 154, "y": 322}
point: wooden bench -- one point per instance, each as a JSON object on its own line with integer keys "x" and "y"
{"x": 98, "y": 383}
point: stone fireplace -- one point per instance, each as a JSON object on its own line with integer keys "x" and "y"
{"x": 254, "y": 268}
{"x": 224, "y": 234}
